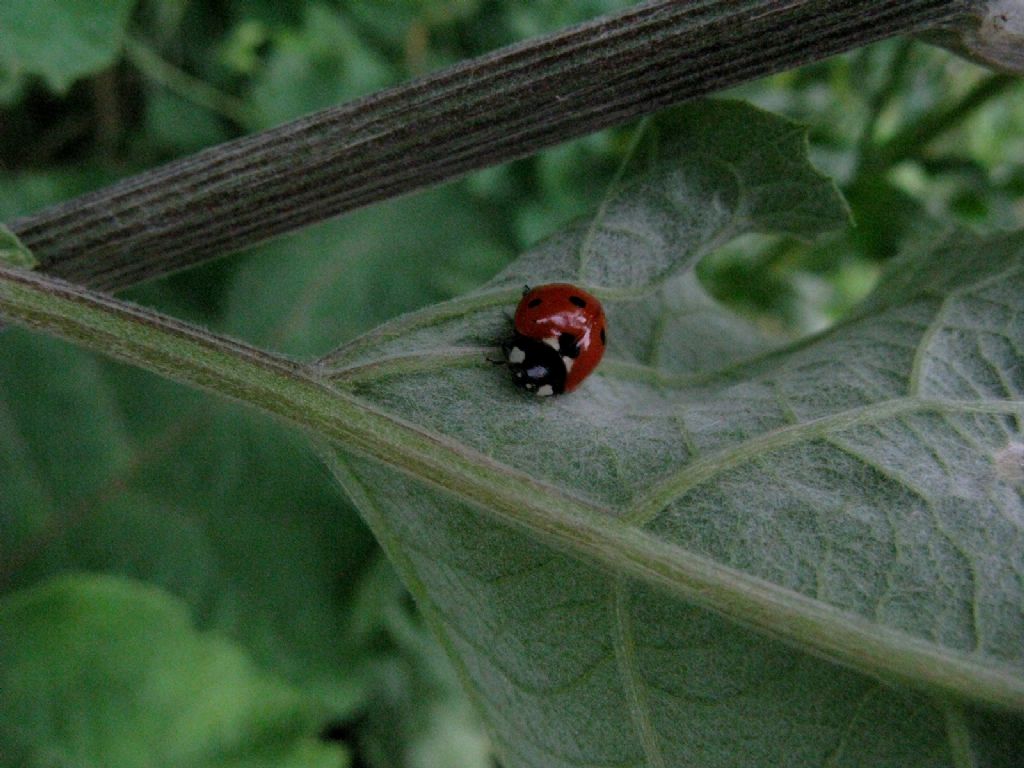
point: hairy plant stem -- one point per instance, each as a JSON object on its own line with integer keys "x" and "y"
{"x": 292, "y": 391}
{"x": 501, "y": 106}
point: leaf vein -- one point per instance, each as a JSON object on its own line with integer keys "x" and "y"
{"x": 632, "y": 683}
{"x": 648, "y": 505}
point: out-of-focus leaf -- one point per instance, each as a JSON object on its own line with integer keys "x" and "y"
{"x": 176, "y": 126}
{"x": 112, "y": 470}
{"x": 28, "y": 191}
{"x": 306, "y": 293}
{"x": 61, "y": 40}
{"x": 530, "y": 20}
{"x": 98, "y": 671}
{"x": 321, "y": 64}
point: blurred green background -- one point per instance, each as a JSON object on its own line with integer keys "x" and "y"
{"x": 154, "y": 510}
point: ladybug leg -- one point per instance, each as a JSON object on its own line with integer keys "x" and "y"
{"x": 506, "y": 347}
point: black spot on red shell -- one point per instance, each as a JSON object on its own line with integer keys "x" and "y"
{"x": 534, "y": 303}
{"x": 603, "y": 339}
{"x": 578, "y": 301}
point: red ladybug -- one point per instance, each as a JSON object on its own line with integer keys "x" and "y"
{"x": 559, "y": 338}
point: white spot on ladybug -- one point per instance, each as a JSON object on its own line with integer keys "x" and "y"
{"x": 545, "y": 391}
{"x": 516, "y": 355}
{"x": 567, "y": 362}
{"x": 552, "y": 341}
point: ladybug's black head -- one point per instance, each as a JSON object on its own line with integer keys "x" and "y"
{"x": 536, "y": 366}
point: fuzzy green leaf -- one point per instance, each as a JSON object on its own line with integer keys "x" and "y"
{"x": 98, "y": 671}
{"x": 668, "y": 215}
{"x": 858, "y": 494}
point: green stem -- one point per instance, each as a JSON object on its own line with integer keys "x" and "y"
{"x": 881, "y": 98}
{"x": 292, "y": 391}
{"x": 185, "y": 85}
{"x": 911, "y": 141}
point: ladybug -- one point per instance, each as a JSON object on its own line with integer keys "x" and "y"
{"x": 558, "y": 339}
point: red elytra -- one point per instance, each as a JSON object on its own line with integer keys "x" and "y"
{"x": 559, "y": 338}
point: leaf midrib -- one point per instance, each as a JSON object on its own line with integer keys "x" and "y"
{"x": 585, "y": 530}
